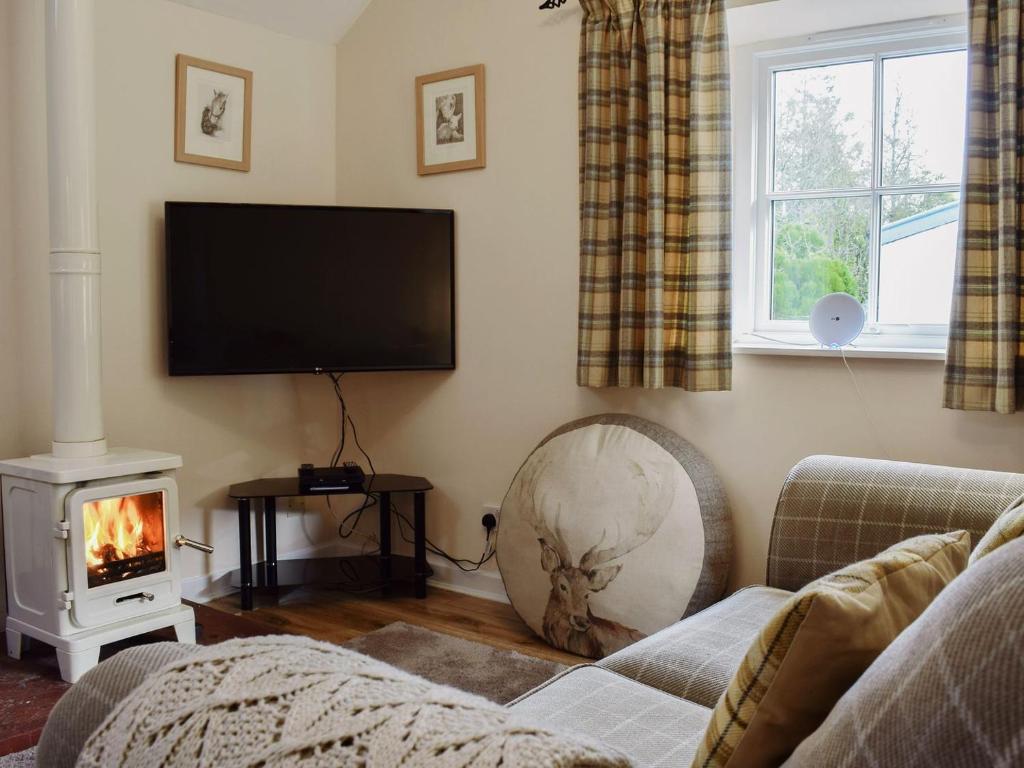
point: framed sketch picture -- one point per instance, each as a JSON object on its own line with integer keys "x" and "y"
{"x": 213, "y": 114}
{"x": 450, "y": 120}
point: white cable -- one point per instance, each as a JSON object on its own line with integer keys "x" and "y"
{"x": 783, "y": 341}
{"x": 864, "y": 405}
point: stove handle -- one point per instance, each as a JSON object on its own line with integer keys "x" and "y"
{"x": 182, "y": 541}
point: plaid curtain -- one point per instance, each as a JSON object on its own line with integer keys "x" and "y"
{"x": 985, "y": 361}
{"x": 655, "y": 194}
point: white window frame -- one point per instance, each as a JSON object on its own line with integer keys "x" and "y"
{"x": 871, "y": 44}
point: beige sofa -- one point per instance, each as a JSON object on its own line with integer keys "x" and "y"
{"x": 948, "y": 692}
{"x": 653, "y": 700}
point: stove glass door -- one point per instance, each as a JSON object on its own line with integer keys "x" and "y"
{"x": 120, "y": 558}
{"x": 124, "y": 537}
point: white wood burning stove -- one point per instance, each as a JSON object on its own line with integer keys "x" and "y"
{"x": 90, "y": 536}
{"x": 92, "y": 553}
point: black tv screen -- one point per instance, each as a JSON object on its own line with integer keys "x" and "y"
{"x": 291, "y": 289}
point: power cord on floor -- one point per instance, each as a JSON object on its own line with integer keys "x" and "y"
{"x": 347, "y": 530}
{"x": 371, "y": 500}
{"x": 345, "y": 420}
{"x": 342, "y": 415}
{"x": 463, "y": 564}
{"x": 353, "y": 583}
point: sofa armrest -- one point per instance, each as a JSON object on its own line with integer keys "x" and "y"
{"x": 88, "y": 702}
{"x": 288, "y": 701}
{"x": 835, "y": 510}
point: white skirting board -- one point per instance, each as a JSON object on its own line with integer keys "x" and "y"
{"x": 483, "y": 583}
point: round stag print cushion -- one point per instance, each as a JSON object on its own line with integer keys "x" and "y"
{"x": 613, "y": 528}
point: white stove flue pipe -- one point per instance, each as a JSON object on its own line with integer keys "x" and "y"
{"x": 74, "y": 241}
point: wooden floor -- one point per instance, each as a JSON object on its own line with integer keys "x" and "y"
{"x": 336, "y": 617}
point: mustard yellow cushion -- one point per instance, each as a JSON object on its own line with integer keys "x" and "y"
{"x": 1007, "y": 527}
{"x": 818, "y": 644}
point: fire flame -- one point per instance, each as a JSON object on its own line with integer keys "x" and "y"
{"x": 115, "y": 529}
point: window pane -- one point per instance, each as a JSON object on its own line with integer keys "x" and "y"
{"x": 819, "y": 246}
{"x": 918, "y": 253}
{"x": 823, "y": 127}
{"x": 923, "y": 101}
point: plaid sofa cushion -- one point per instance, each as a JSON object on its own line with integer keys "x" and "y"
{"x": 818, "y": 644}
{"x": 947, "y": 692}
{"x": 648, "y": 726}
{"x": 1008, "y": 527}
{"x": 696, "y": 658}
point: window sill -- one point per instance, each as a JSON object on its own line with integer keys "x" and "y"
{"x": 867, "y": 347}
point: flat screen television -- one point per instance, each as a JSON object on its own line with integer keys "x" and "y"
{"x": 295, "y": 289}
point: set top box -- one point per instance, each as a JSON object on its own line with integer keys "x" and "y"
{"x": 348, "y": 477}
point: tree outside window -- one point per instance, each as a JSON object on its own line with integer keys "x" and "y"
{"x": 851, "y": 150}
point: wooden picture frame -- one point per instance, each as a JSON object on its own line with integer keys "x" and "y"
{"x": 210, "y": 128}
{"x": 452, "y": 136}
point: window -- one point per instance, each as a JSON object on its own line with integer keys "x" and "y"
{"x": 860, "y": 147}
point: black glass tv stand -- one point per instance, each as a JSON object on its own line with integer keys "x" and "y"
{"x": 357, "y": 572}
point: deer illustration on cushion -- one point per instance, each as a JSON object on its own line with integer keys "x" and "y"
{"x": 569, "y": 622}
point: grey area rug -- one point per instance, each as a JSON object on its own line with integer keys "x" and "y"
{"x": 493, "y": 673}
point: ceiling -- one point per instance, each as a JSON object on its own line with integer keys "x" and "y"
{"x": 325, "y": 21}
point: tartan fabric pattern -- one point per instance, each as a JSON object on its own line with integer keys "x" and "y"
{"x": 1008, "y": 527}
{"x": 650, "y": 727}
{"x": 655, "y": 195}
{"x": 696, "y": 658}
{"x": 985, "y": 357}
{"x": 947, "y": 692}
{"x": 863, "y": 605}
{"x": 835, "y": 510}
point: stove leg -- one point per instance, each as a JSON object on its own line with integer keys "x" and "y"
{"x": 185, "y": 631}
{"x": 74, "y": 664}
{"x": 14, "y": 639}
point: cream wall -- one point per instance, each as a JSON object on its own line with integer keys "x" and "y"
{"x": 517, "y": 269}
{"x": 337, "y": 124}
{"x": 226, "y": 428}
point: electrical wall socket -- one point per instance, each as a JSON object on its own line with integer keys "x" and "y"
{"x": 295, "y": 505}
{"x": 491, "y": 509}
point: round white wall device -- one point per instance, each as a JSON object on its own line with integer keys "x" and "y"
{"x": 837, "y": 319}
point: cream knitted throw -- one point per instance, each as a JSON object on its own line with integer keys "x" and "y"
{"x": 292, "y": 701}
